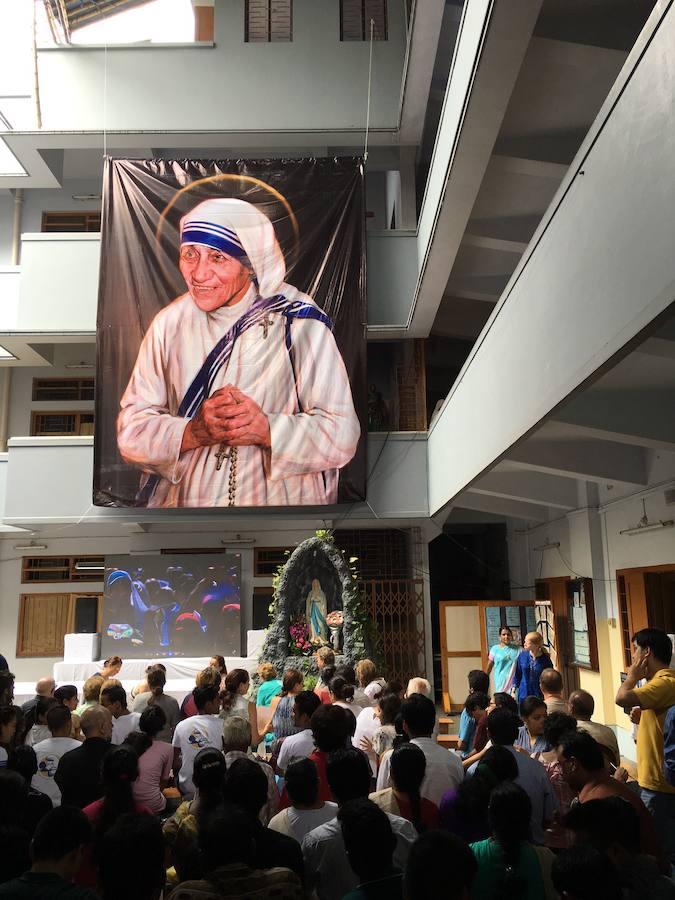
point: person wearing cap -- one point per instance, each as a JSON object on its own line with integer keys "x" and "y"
{"x": 239, "y": 395}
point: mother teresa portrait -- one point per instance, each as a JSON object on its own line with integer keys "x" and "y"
{"x": 239, "y": 395}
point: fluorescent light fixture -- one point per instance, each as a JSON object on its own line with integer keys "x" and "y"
{"x": 649, "y": 526}
{"x": 80, "y": 365}
{"x": 85, "y": 197}
{"x": 551, "y": 546}
{"x": 645, "y": 525}
{"x": 238, "y": 542}
{"x": 31, "y": 546}
{"x": 89, "y": 567}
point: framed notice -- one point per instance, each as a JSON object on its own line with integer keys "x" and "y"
{"x": 581, "y": 617}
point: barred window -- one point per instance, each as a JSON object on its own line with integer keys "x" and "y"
{"x": 61, "y": 568}
{"x": 269, "y": 21}
{"x": 356, "y": 16}
{"x": 45, "y": 424}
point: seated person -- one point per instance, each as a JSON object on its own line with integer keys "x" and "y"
{"x": 370, "y": 843}
{"x": 299, "y": 745}
{"x": 122, "y": 841}
{"x": 508, "y": 864}
{"x": 408, "y": 767}
{"x": 181, "y": 831}
{"x": 531, "y": 738}
{"x": 23, "y": 760}
{"x": 227, "y": 847}
{"x": 67, "y": 696}
{"x": 49, "y": 752}
{"x": 246, "y": 788}
{"x": 432, "y": 856}
{"x": 58, "y": 850}
{"x": 306, "y": 811}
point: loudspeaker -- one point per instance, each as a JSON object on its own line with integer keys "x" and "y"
{"x": 86, "y": 615}
{"x": 262, "y": 597}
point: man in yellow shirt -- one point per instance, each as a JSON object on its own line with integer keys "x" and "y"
{"x": 653, "y": 650}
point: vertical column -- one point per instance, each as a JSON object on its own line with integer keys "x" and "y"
{"x": 204, "y": 19}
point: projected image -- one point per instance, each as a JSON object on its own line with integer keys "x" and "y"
{"x": 182, "y": 605}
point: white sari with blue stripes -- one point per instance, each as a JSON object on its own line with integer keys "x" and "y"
{"x": 279, "y": 351}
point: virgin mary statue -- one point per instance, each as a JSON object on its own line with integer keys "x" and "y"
{"x": 316, "y": 611}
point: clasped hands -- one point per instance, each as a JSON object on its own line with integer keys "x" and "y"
{"x": 227, "y": 417}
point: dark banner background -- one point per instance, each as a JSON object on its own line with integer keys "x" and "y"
{"x": 139, "y": 275}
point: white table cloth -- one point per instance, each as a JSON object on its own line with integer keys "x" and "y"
{"x": 133, "y": 670}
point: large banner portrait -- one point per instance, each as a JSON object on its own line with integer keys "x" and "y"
{"x": 231, "y": 345}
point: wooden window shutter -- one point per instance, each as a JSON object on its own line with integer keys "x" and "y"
{"x": 44, "y": 620}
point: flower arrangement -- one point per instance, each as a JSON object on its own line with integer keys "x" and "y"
{"x": 300, "y": 644}
{"x": 335, "y": 619}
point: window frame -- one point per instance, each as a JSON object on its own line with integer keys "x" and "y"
{"x": 77, "y": 415}
{"x": 82, "y": 385}
{"x": 23, "y": 649}
{"x": 69, "y": 569}
{"x": 89, "y": 218}
{"x": 270, "y": 30}
{"x": 365, "y": 23}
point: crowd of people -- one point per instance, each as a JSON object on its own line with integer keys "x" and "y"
{"x": 339, "y": 792}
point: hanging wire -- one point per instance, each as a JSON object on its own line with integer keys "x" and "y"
{"x": 370, "y": 82}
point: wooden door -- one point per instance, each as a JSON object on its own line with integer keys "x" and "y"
{"x": 555, "y": 591}
{"x": 461, "y": 648}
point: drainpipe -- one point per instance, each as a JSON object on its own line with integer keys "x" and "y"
{"x": 6, "y": 372}
{"x": 16, "y": 226}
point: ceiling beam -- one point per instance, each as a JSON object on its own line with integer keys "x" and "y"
{"x": 490, "y": 243}
{"x": 498, "y": 506}
{"x": 529, "y": 487}
{"x": 490, "y": 49}
{"x": 633, "y": 417}
{"x": 599, "y": 461}
{"x": 425, "y": 29}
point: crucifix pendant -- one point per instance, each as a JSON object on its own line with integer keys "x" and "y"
{"x": 221, "y": 456}
{"x": 265, "y": 325}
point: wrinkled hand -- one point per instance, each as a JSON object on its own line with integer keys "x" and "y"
{"x": 635, "y": 714}
{"x": 227, "y": 417}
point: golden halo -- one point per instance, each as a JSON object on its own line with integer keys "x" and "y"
{"x": 226, "y": 177}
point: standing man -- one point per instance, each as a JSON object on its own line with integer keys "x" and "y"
{"x": 78, "y": 774}
{"x": 653, "y": 650}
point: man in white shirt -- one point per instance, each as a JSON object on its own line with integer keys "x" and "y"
{"x": 444, "y": 768}
{"x": 193, "y": 734}
{"x": 114, "y": 698}
{"x": 300, "y": 745}
{"x": 502, "y": 726}
{"x": 50, "y": 751}
{"x": 327, "y": 870}
{"x": 582, "y": 707}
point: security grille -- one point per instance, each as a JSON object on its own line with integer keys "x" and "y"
{"x": 356, "y": 16}
{"x": 269, "y": 21}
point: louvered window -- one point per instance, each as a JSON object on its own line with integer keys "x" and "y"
{"x": 61, "y": 568}
{"x": 356, "y": 16}
{"x": 54, "y": 222}
{"x": 269, "y": 21}
{"x": 63, "y": 389}
{"x": 268, "y": 559}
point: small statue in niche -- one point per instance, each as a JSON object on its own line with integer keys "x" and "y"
{"x": 316, "y": 610}
{"x": 378, "y": 414}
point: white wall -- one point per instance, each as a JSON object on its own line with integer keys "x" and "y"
{"x": 591, "y": 547}
{"x": 6, "y": 217}
{"x": 313, "y": 83}
{"x": 21, "y": 403}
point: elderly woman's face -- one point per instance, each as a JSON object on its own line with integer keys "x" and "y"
{"x": 213, "y": 278}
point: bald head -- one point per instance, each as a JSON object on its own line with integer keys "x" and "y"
{"x": 582, "y": 705}
{"x": 96, "y": 722}
{"x": 418, "y": 686}
{"x": 45, "y": 687}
